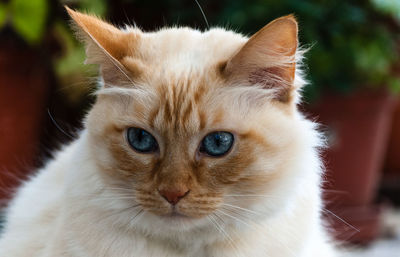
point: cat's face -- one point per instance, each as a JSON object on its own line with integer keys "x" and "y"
{"x": 194, "y": 126}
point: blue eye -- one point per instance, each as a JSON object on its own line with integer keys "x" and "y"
{"x": 141, "y": 140}
{"x": 217, "y": 143}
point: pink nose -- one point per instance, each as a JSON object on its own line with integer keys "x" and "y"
{"x": 173, "y": 196}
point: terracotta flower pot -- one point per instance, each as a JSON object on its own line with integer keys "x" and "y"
{"x": 390, "y": 188}
{"x": 24, "y": 89}
{"x": 392, "y": 164}
{"x": 358, "y": 128}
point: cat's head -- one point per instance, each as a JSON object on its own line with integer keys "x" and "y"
{"x": 198, "y": 126}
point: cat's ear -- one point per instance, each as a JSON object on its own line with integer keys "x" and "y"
{"x": 106, "y": 46}
{"x": 268, "y": 58}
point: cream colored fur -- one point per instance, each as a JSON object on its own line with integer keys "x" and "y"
{"x": 70, "y": 209}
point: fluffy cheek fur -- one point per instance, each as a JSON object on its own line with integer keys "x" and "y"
{"x": 253, "y": 181}
{"x": 274, "y": 178}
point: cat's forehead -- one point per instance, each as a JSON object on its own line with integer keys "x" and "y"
{"x": 182, "y": 104}
{"x": 180, "y": 48}
{"x": 181, "y": 71}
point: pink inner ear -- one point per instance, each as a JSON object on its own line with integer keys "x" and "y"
{"x": 273, "y": 78}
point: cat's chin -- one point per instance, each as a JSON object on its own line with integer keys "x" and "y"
{"x": 176, "y": 218}
{"x": 176, "y": 215}
{"x": 172, "y": 222}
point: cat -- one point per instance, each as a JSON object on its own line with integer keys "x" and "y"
{"x": 194, "y": 147}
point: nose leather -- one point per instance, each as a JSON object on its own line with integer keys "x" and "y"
{"x": 173, "y": 196}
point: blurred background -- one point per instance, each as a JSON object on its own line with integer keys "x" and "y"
{"x": 353, "y": 69}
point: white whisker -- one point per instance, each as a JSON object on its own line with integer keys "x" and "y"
{"x": 266, "y": 196}
{"x": 113, "y": 198}
{"x": 241, "y": 208}
{"x": 251, "y": 225}
{"x": 233, "y": 217}
{"x": 222, "y": 231}
{"x": 342, "y": 220}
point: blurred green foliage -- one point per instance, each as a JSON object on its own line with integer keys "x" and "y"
{"x": 28, "y": 18}
{"x": 98, "y": 7}
{"x": 391, "y": 7}
{"x": 3, "y": 14}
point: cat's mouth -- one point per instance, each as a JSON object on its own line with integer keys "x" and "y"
{"x": 177, "y": 220}
{"x": 176, "y": 215}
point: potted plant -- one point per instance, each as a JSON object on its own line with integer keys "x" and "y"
{"x": 391, "y": 178}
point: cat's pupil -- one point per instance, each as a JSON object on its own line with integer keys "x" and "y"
{"x": 141, "y": 140}
{"x": 217, "y": 143}
{"x": 218, "y": 139}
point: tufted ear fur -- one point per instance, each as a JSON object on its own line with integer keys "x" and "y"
{"x": 108, "y": 47}
{"x": 268, "y": 58}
